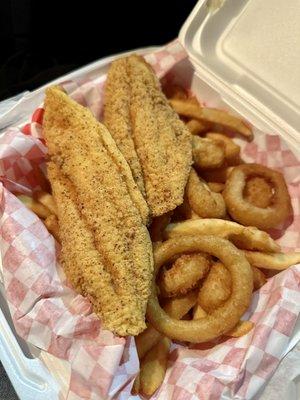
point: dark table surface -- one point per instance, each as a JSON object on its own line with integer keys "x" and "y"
{"x": 40, "y": 42}
{"x": 6, "y": 390}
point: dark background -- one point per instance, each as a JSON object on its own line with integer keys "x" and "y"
{"x": 41, "y": 40}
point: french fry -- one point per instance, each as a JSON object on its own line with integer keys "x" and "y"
{"x": 276, "y": 261}
{"x": 51, "y": 223}
{"x": 189, "y": 109}
{"x": 146, "y": 340}
{"x": 136, "y": 385}
{"x": 47, "y": 200}
{"x": 250, "y": 237}
{"x": 39, "y": 209}
{"x": 154, "y": 366}
{"x": 175, "y": 92}
{"x": 241, "y": 329}
{"x": 197, "y": 127}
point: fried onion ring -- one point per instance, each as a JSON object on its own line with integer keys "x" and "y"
{"x": 216, "y": 187}
{"x": 220, "y": 320}
{"x": 207, "y": 153}
{"x": 203, "y": 201}
{"x": 219, "y": 175}
{"x": 176, "y": 307}
{"x": 216, "y": 288}
{"x": 184, "y": 274}
{"x": 247, "y": 237}
{"x": 246, "y": 213}
{"x": 258, "y": 192}
{"x": 198, "y": 312}
{"x": 185, "y": 211}
{"x": 232, "y": 150}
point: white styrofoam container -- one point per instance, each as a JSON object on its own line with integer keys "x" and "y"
{"x": 249, "y": 52}
{"x": 246, "y": 57}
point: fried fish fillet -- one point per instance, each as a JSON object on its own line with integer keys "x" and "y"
{"x": 106, "y": 248}
{"x": 149, "y": 133}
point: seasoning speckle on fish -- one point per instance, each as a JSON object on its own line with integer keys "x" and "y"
{"x": 106, "y": 249}
{"x": 149, "y": 133}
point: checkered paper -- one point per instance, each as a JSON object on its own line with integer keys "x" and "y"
{"x": 48, "y": 314}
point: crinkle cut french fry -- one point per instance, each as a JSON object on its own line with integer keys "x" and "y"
{"x": 39, "y": 209}
{"x": 154, "y": 366}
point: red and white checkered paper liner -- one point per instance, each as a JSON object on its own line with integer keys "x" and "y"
{"x": 48, "y": 314}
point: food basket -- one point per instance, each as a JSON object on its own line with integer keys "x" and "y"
{"x": 227, "y": 70}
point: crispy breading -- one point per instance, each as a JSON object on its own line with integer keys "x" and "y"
{"x": 139, "y": 117}
{"x": 117, "y": 117}
{"x": 106, "y": 248}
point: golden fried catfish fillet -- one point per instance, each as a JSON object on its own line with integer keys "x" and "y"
{"x": 106, "y": 249}
{"x": 149, "y": 133}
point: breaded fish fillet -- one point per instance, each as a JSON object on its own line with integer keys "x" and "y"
{"x": 149, "y": 133}
{"x": 106, "y": 249}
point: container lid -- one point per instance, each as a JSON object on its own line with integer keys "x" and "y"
{"x": 249, "y": 51}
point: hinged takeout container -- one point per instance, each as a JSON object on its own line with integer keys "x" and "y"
{"x": 248, "y": 51}
{"x": 245, "y": 59}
